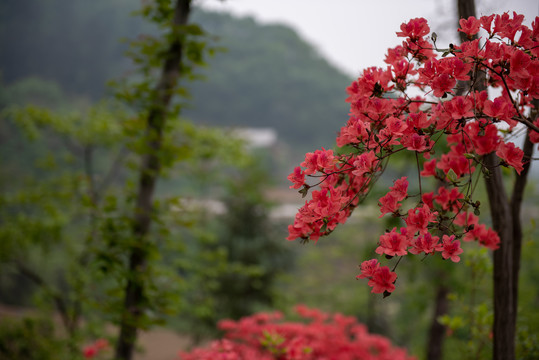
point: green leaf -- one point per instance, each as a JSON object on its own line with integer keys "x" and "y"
{"x": 452, "y": 176}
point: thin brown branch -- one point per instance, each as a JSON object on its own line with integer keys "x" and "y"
{"x": 527, "y": 123}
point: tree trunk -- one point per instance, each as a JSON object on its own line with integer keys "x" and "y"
{"x": 504, "y": 302}
{"x": 134, "y": 297}
{"x": 506, "y": 221}
{"x": 437, "y": 330}
{"x": 516, "y": 205}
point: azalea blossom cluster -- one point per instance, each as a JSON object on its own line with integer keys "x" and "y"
{"x": 385, "y": 119}
{"x": 266, "y": 336}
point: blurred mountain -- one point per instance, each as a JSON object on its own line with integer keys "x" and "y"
{"x": 267, "y": 76}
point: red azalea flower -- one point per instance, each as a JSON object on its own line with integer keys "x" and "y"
{"x": 469, "y": 26}
{"x": 448, "y": 199}
{"x": 426, "y": 243}
{"x": 443, "y": 83}
{"x": 519, "y": 63}
{"x": 485, "y": 138}
{"x": 416, "y": 142}
{"x": 486, "y": 22}
{"x": 414, "y": 29}
{"x": 382, "y": 280}
{"x": 459, "y": 107}
{"x": 511, "y": 154}
{"x": 534, "y": 135}
{"x": 368, "y": 268}
{"x": 392, "y": 244}
{"x": 400, "y": 188}
{"x": 396, "y": 126}
{"x": 297, "y": 177}
{"x": 419, "y": 218}
{"x": 466, "y": 219}
{"x": 451, "y": 248}
{"x": 429, "y": 168}
{"x": 388, "y": 204}
{"x": 499, "y": 108}
{"x": 365, "y": 163}
{"x": 428, "y": 199}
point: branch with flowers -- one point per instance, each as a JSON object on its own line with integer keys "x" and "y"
{"x": 414, "y": 104}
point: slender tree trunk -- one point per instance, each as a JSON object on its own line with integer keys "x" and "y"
{"x": 504, "y": 302}
{"x": 516, "y": 205}
{"x": 507, "y": 223}
{"x": 437, "y": 331}
{"x": 135, "y": 298}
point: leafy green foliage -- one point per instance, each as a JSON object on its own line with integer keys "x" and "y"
{"x": 74, "y": 208}
{"x": 29, "y": 339}
{"x": 233, "y": 259}
{"x": 252, "y": 245}
{"x": 472, "y": 318}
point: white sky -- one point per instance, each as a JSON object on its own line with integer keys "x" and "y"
{"x": 355, "y": 34}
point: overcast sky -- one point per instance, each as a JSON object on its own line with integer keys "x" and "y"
{"x": 355, "y": 34}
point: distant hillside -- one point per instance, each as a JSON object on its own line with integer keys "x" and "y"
{"x": 268, "y": 77}
{"x": 75, "y": 43}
